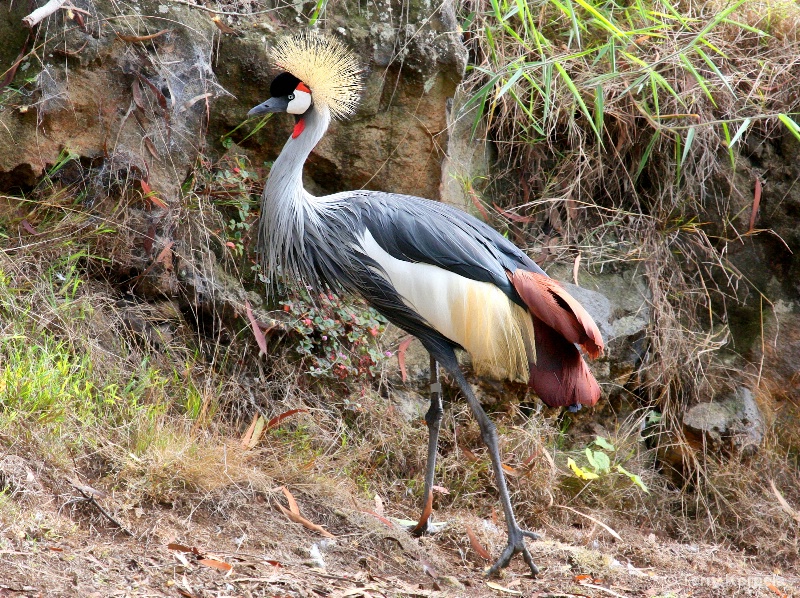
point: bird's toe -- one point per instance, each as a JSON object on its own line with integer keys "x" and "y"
{"x": 516, "y": 545}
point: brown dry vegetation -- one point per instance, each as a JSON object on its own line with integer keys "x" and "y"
{"x": 109, "y": 384}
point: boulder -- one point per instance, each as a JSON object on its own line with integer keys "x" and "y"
{"x": 618, "y": 300}
{"x": 734, "y": 422}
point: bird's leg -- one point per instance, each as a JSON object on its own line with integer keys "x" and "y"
{"x": 433, "y": 418}
{"x": 516, "y": 535}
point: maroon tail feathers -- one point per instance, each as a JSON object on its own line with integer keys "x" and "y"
{"x": 560, "y": 376}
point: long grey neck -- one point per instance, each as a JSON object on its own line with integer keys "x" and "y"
{"x": 287, "y": 208}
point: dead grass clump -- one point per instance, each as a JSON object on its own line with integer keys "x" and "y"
{"x": 619, "y": 131}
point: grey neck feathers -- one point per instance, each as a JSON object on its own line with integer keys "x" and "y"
{"x": 287, "y": 209}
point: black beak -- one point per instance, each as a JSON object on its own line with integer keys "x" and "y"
{"x": 279, "y": 104}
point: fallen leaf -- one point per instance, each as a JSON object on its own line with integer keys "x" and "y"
{"x": 136, "y": 90}
{"x": 513, "y": 217}
{"x": 575, "y": 267}
{"x": 182, "y": 548}
{"x": 182, "y": 559}
{"x": 251, "y": 436}
{"x": 215, "y": 564}
{"x": 476, "y": 201}
{"x": 279, "y": 418}
{"x": 476, "y": 545}
{"x": 472, "y": 457}
{"x": 440, "y": 489}
{"x": 401, "y": 356}
{"x": 305, "y": 522}
{"x": 165, "y": 255}
{"x": 142, "y": 38}
{"x": 222, "y": 26}
{"x": 580, "y": 472}
{"x": 88, "y": 490}
{"x": 380, "y": 518}
{"x": 261, "y": 340}
{"x": 784, "y": 503}
{"x": 191, "y": 102}
{"x": 772, "y": 587}
{"x": 29, "y": 227}
{"x": 378, "y": 505}
{"x": 509, "y": 470}
{"x": 162, "y": 99}
{"x": 597, "y": 521}
{"x": 151, "y": 148}
{"x": 293, "y": 513}
{"x": 428, "y": 569}
{"x": 499, "y": 588}
{"x": 292, "y": 502}
{"x": 756, "y": 203}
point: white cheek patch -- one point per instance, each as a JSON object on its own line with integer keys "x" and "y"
{"x": 300, "y": 103}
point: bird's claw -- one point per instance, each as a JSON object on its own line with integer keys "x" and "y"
{"x": 516, "y": 545}
{"x": 429, "y": 528}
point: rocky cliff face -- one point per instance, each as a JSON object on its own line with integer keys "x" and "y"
{"x": 134, "y": 100}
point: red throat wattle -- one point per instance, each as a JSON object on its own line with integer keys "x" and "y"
{"x": 298, "y": 128}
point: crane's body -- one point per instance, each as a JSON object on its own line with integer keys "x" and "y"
{"x": 433, "y": 270}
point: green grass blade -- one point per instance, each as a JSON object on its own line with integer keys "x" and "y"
{"x": 688, "y": 145}
{"x": 793, "y": 127}
{"x": 319, "y": 9}
{"x": 646, "y": 155}
{"x": 576, "y": 30}
{"x": 740, "y": 131}
{"x": 577, "y": 95}
{"x": 599, "y": 109}
{"x": 715, "y": 21}
{"x": 707, "y": 59}
{"x": 699, "y": 78}
{"x": 606, "y": 24}
{"x": 726, "y": 131}
{"x": 746, "y": 27}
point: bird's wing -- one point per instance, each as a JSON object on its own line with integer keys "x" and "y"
{"x": 423, "y": 231}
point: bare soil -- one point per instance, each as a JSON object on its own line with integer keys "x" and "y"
{"x": 237, "y": 543}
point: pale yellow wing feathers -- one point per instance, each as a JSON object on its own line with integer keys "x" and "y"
{"x": 497, "y": 333}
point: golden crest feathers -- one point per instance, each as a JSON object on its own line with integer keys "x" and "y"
{"x": 326, "y": 66}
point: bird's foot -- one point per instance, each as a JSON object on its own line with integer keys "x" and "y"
{"x": 421, "y": 529}
{"x": 516, "y": 545}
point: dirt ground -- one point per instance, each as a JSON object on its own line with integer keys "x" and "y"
{"x": 237, "y": 543}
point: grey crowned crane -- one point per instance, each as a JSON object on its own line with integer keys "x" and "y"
{"x": 436, "y": 272}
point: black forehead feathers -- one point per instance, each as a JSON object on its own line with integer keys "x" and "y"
{"x": 283, "y": 85}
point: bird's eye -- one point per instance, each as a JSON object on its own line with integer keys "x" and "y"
{"x": 291, "y": 97}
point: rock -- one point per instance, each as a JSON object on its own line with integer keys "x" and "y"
{"x": 128, "y": 108}
{"x": 735, "y": 421}
{"x": 619, "y": 303}
{"x": 411, "y": 405}
{"x": 780, "y": 351}
{"x": 466, "y": 167}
